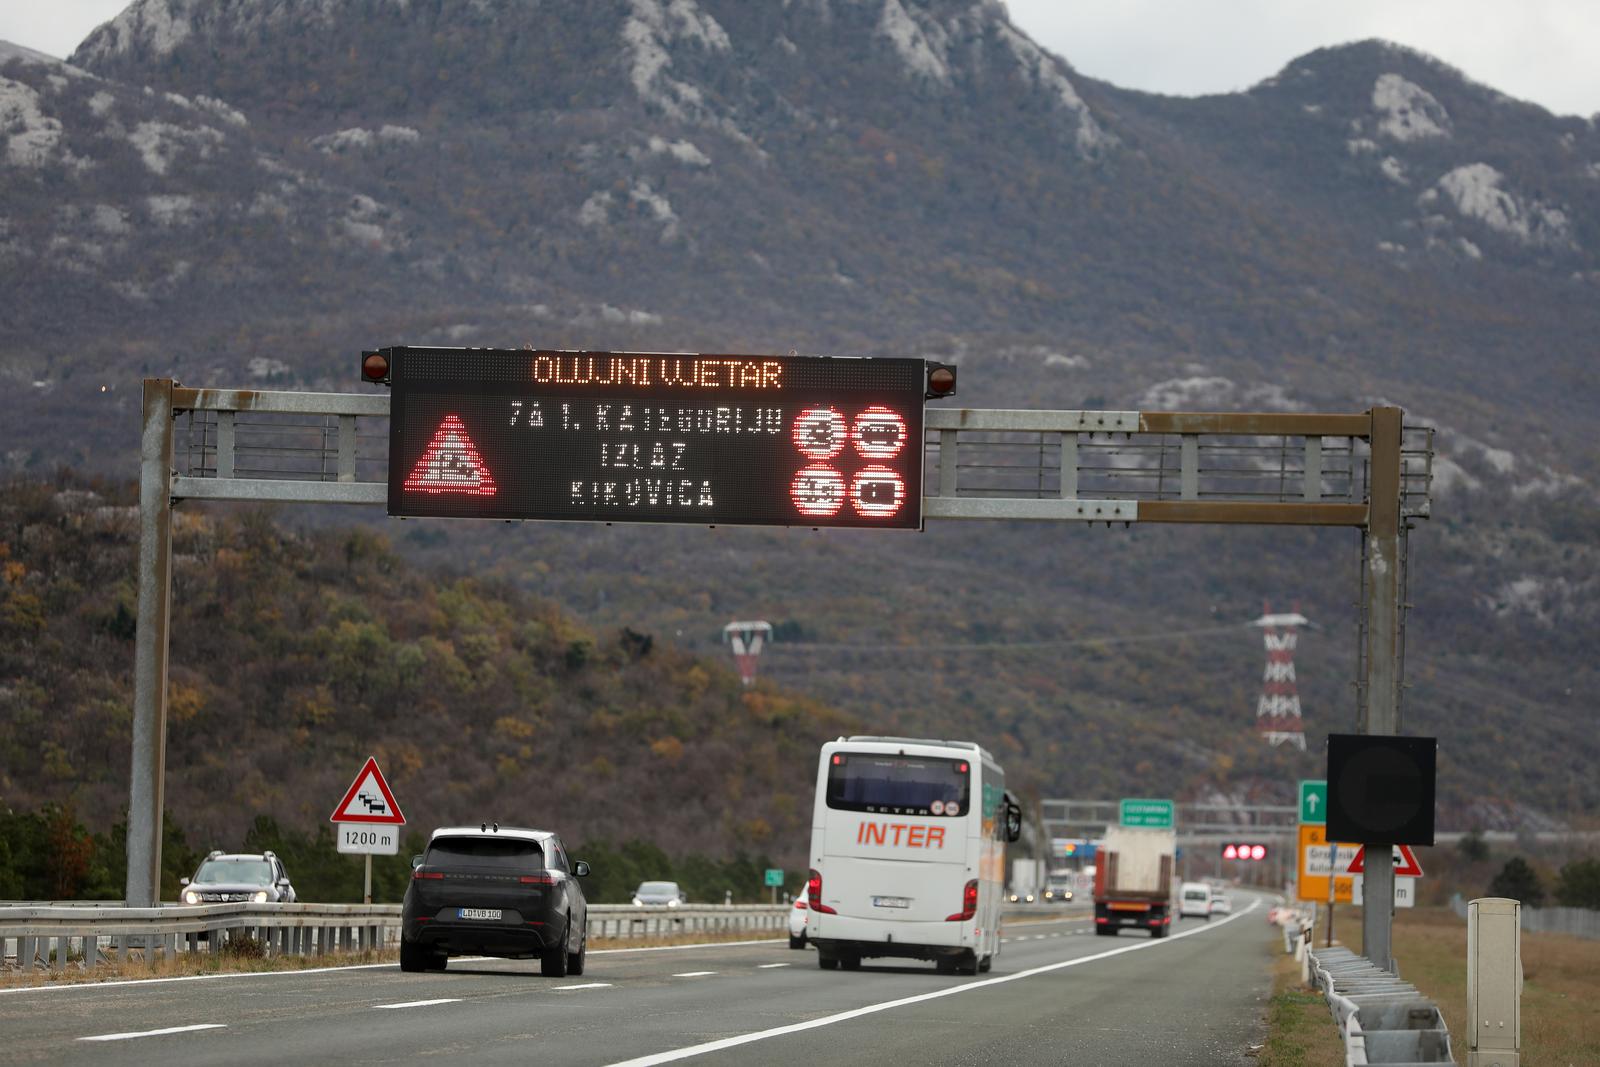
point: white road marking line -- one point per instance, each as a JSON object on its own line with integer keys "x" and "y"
{"x": 581, "y": 985}
{"x": 420, "y": 1003}
{"x": 769, "y": 966}
{"x": 155, "y": 1033}
{"x": 871, "y": 1009}
{"x": 680, "y": 948}
{"x": 694, "y": 974}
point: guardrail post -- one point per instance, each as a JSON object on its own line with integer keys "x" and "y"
{"x": 1494, "y": 982}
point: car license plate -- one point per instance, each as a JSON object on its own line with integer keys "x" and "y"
{"x": 891, "y": 902}
{"x": 477, "y": 913}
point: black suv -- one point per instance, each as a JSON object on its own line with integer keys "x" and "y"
{"x": 494, "y": 890}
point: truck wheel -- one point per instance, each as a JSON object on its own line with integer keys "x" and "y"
{"x": 851, "y": 962}
{"x": 827, "y": 963}
{"x": 1106, "y": 931}
{"x": 968, "y": 964}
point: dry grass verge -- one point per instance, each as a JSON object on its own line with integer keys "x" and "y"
{"x": 1300, "y": 1029}
{"x": 1560, "y": 995}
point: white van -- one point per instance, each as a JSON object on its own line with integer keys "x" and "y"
{"x": 1194, "y": 898}
{"x": 908, "y": 853}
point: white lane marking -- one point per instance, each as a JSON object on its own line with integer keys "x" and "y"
{"x": 871, "y": 1009}
{"x": 420, "y": 1003}
{"x": 581, "y": 985}
{"x": 694, "y": 974}
{"x": 769, "y": 966}
{"x": 59, "y": 986}
{"x": 155, "y": 1033}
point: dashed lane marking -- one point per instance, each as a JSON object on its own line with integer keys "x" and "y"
{"x": 420, "y": 1003}
{"x": 155, "y": 1033}
{"x": 769, "y": 966}
{"x": 581, "y": 985}
{"x": 694, "y": 974}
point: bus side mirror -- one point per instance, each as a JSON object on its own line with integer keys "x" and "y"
{"x": 1013, "y": 822}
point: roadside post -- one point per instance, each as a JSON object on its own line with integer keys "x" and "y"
{"x": 368, "y": 820}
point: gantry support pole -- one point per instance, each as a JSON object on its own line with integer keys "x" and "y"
{"x": 146, "y": 781}
{"x": 1382, "y": 610}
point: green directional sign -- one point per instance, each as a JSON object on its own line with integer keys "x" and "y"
{"x": 1142, "y": 811}
{"x": 1314, "y": 801}
{"x": 774, "y": 876}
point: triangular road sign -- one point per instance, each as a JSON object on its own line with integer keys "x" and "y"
{"x": 1405, "y": 862}
{"x": 368, "y": 799}
{"x": 451, "y": 464}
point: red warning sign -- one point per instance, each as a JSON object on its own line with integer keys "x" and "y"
{"x": 368, "y": 799}
{"x": 1405, "y": 862}
{"x": 451, "y": 464}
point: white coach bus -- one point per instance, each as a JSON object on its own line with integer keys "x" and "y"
{"x": 908, "y": 853}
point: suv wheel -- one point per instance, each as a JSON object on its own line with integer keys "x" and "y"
{"x": 553, "y": 963}
{"x": 575, "y": 961}
{"x": 414, "y": 957}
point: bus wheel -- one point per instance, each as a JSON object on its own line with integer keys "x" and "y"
{"x": 827, "y": 963}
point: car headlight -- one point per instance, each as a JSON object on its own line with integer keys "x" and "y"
{"x": 261, "y": 897}
{"x": 673, "y": 903}
{"x": 638, "y": 903}
{"x": 191, "y": 897}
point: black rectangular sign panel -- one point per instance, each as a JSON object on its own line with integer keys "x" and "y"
{"x": 1381, "y": 789}
{"x": 656, "y": 437}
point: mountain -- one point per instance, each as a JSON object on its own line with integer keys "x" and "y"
{"x": 251, "y": 191}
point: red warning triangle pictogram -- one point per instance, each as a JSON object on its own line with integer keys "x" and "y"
{"x": 451, "y": 464}
{"x": 1405, "y": 862}
{"x": 368, "y": 799}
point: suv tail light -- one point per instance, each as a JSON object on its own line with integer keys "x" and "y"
{"x": 814, "y": 892}
{"x": 537, "y": 879}
{"x": 969, "y": 904}
{"x": 419, "y": 875}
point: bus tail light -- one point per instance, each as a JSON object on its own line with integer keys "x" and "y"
{"x": 814, "y": 892}
{"x": 969, "y": 904}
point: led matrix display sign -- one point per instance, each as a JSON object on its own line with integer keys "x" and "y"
{"x": 656, "y": 437}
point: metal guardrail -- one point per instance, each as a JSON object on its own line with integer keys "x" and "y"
{"x": 1381, "y": 1018}
{"x": 60, "y": 935}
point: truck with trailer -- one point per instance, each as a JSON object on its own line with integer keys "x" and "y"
{"x": 1133, "y": 881}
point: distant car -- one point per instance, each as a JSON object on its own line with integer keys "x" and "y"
{"x": 797, "y": 923}
{"x": 1194, "y": 898}
{"x": 1020, "y": 898}
{"x": 494, "y": 890}
{"x": 227, "y": 876}
{"x": 1057, "y": 894}
{"x": 655, "y": 894}
{"x": 1221, "y": 903}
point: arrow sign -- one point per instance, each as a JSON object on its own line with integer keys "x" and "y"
{"x": 1313, "y": 801}
{"x": 1405, "y": 862}
{"x": 368, "y": 800}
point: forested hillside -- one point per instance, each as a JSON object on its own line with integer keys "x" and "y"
{"x": 296, "y": 654}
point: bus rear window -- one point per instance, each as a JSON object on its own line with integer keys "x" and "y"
{"x": 898, "y": 785}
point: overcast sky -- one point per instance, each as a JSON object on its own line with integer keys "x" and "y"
{"x": 1546, "y": 51}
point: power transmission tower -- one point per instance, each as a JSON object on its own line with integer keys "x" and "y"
{"x": 746, "y": 638}
{"x": 1278, "y": 718}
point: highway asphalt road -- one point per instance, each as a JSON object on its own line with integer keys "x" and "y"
{"x": 1057, "y": 995}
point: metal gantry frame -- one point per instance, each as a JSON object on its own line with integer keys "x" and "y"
{"x": 1362, "y": 470}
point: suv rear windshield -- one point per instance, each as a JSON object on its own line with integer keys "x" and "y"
{"x": 506, "y": 854}
{"x": 898, "y": 785}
